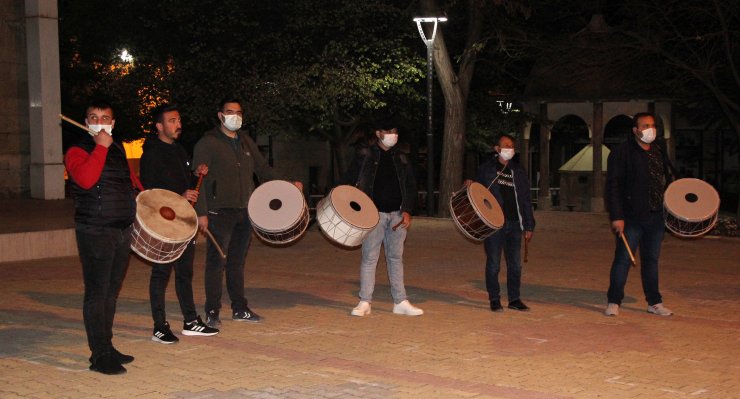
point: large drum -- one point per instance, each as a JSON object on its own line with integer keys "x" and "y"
{"x": 164, "y": 226}
{"x": 690, "y": 207}
{"x": 278, "y": 212}
{"x": 347, "y": 215}
{"x": 476, "y": 212}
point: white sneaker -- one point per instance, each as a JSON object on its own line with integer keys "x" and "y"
{"x": 612, "y": 309}
{"x": 407, "y": 309}
{"x": 659, "y": 309}
{"x": 362, "y": 309}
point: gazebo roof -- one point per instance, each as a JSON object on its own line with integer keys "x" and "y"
{"x": 584, "y": 160}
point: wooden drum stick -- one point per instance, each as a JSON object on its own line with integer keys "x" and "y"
{"x": 81, "y": 126}
{"x": 629, "y": 250}
{"x": 526, "y": 250}
{"x": 397, "y": 225}
{"x": 208, "y": 232}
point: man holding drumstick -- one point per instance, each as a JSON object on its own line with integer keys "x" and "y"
{"x": 387, "y": 177}
{"x": 166, "y": 165}
{"x": 104, "y": 191}
{"x": 233, "y": 159}
{"x": 507, "y": 181}
{"x": 638, "y": 173}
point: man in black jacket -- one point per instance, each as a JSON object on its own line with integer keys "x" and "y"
{"x": 386, "y": 176}
{"x": 166, "y": 165}
{"x": 638, "y": 173}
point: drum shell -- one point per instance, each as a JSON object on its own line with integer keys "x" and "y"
{"x": 278, "y": 212}
{"x": 156, "y": 238}
{"x": 690, "y": 207}
{"x": 340, "y": 221}
{"x": 476, "y": 212}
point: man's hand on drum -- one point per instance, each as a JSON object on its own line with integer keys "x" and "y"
{"x": 202, "y": 169}
{"x": 299, "y": 185}
{"x": 618, "y": 227}
{"x": 467, "y": 182}
{"x": 191, "y": 196}
{"x": 202, "y": 223}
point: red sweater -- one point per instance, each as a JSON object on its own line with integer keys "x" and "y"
{"x": 85, "y": 168}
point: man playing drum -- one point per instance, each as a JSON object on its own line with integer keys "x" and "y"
{"x": 166, "y": 165}
{"x": 386, "y": 176}
{"x": 233, "y": 159}
{"x": 104, "y": 192}
{"x": 507, "y": 181}
{"x": 638, "y": 173}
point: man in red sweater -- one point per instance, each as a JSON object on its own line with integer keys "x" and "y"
{"x": 104, "y": 190}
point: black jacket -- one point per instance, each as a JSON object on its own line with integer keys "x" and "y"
{"x": 626, "y": 190}
{"x": 486, "y": 174}
{"x": 361, "y": 174}
{"x": 165, "y": 166}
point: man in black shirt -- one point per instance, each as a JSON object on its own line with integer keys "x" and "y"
{"x": 387, "y": 177}
{"x": 166, "y": 165}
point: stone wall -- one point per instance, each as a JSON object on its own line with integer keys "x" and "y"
{"x": 14, "y": 130}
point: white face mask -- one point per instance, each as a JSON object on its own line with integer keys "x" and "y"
{"x": 232, "y": 122}
{"x": 97, "y": 128}
{"x": 507, "y": 153}
{"x": 389, "y": 140}
{"x": 648, "y": 135}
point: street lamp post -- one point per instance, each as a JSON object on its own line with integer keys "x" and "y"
{"x": 430, "y": 76}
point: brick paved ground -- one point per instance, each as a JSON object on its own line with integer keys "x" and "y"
{"x": 309, "y": 346}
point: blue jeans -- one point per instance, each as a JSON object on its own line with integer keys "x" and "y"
{"x": 233, "y": 231}
{"x": 159, "y": 279}
{"x": 509, "y": 241}
{"x": 393, "y": 243}
{"x": 104, "y": 254}
{"x": 648, "y": 234}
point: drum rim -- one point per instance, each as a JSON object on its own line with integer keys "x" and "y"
{"x": 301, "y": 224}
{"x": 329, "y": 197}
{"x": 281, "y": 183}
{"x": 157, "y": 235}
{"x": 485, "y": 220}
{"x": 678, "y": 185}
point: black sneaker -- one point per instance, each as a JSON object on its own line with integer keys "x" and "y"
{"x": 108, "y": 364}
{"x": 122, "y": 358}
{"x": 246, "y": 315}
{"x": 197, "y": 327}
{"x": 164, "y": 335}
{"x": 518, "y": 305}
{"x": 496, "y": 306}
{"x": 212, "y": 319}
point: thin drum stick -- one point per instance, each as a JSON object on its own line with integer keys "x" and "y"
{"x": 218, "y": 247}
{"x": 526, "y": 250}
{"x": 197, "y": 187}
{"x": 81, "y": 126}
{"x": 629, "y": 250}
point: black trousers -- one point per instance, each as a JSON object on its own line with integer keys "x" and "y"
{"x": 159, "y": 279}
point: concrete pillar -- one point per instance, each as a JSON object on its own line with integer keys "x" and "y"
{"x": 597, "y": 138}
{"x": 543, "y": 197}
{"x": 42, "y": 44}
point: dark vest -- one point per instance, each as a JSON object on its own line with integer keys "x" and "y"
{"x": 111, "y": 202}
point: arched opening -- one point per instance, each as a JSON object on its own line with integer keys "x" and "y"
{"x": 569, "y": 135}
{"x": 617, "y": 130}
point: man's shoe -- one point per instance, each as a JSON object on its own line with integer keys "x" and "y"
{"x": 197, "y": 327}
{"x": 518, "y": 305}
{"x": 212, "y": 319}
{"x": 164, "y": 335}
{"x": 612, "y": 309}
{"x": 107, "y": 364}
{"x": 406, "y": 308}
{"x": 659, "y": 309}
{"x": 123, "y": 359}
{"x": 362, "y": 309}
{"x": 246, "y": 315}
{"x": 496, "y": 306}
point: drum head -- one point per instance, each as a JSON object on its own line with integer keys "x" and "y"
{"x": 166, "y": 215}
{"x": 691, "y": 200}
{"x": 485, "y": 205}
{"x": 276, "y": 206}
{"x": 354, "y": 207}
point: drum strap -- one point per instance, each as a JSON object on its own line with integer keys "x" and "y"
{"x": 498, "y": 174}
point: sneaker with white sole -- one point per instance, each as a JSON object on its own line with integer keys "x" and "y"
{"x": 612, "y": 309}
{"x": 362, "y": 309}
{"x": 659, "y": 309}
{"x": 406, "y": 308}
{"x": 197, "y": 327}
{"x": 212, "y": 319}
{"x": 164, "y": 335}
{"x": 246, "y": 315}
